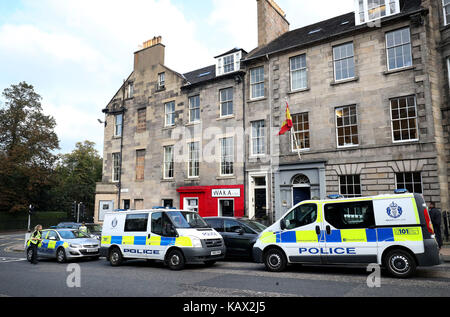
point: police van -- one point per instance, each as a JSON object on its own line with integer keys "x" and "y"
{"x": 176, "y": 237}
{"x": 394, "y": 231}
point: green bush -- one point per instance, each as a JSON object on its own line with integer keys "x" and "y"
{"x": 19, "y": 221}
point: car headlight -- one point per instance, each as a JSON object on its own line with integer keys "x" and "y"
{"x": 75, "y": 246}
{"x": 196, "y": 242}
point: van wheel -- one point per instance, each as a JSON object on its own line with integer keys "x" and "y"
{"x": 275, "y": 260}
{"x": 115, "y": 257}
{"x": 61, "y": 255}
{"x": 400, "y": 264}
{"x": 175, "y": 260}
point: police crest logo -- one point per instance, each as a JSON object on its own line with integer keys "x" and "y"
{"x": 394, "y": 210}
{"x": 114, "y": 223}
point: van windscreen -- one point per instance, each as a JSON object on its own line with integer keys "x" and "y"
{"x": 183, "y": 220}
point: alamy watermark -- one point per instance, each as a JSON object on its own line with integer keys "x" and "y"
{"x": 74, "y": 278}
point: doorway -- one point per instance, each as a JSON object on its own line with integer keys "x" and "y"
{"x": 226, "y": 207}
{"x": 301, "y": 189}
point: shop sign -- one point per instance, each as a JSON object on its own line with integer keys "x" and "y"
{"x": 228, "y": 192}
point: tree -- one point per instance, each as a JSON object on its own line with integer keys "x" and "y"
{"x": 27, "y": 139}
{"x": 76, "y": 175}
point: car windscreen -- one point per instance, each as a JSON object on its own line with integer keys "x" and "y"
{"x": 183, "y": 220}
{"x": 254, "y": 225}
{"x": 72, "y": 234}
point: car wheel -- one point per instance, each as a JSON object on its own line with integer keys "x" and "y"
{"x": 61, "y": 255}
{"x": 115, "y": 257}
{"x": 175, "y": 260}
{"x": 29, "y": 254}
{"x": 400, "y": 264}
{"x": 275, "y": 260}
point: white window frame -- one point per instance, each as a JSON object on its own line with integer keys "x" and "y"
{"x": 223, "y": 157}
{"x": 162, "y": 80}
{"x": 446, "y": 22}
{"x": 348, "y": 125}
{"x": 448, "y": 72}
{"x": 226, "y": 101}
{"x": 194, "y": 108}
{"x": 194, "y": 158}
{"x": 365, "y": 10}
{"x": 129, "y": 92}
{"x": 168, "y": 115}
{"x": 165, "y": 162}
{"x": 189, "y": 208}
{"x": 115, "y": 167}
{"x": 341, "y": 59}
{"x": 260, "y": 138}
{"x": 293, "y": 144}
{"x": 408, "y": 118}
{"x": 228, "y": 63}
{"x": 352, "y": 184}
{"x": 257, "y": 83}
{"x": 118, "y": 126}
{"x": 397, "y": 46}
{"x": 301, "y": 69}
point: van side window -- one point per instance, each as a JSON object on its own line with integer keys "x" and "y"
{"x": 301, "y": 216}
{"x": 157, "y": 225}
{"x": 352, "y": 215}
{"x": 136, "y": 223}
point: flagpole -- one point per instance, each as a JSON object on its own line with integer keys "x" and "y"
{"x": 296, "y": 146}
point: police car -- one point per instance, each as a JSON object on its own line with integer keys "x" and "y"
{"x": 394, "y": 231}
{"x": 64, "y": 245}
{"x": 176, "y": 237}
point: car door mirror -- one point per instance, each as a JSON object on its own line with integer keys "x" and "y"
{"x": 282, "y": 224}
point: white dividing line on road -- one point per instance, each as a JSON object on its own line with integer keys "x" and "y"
{"x": 8, "y": 260}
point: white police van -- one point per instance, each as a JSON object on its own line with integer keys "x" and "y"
{"x": 176, "y": 237}
{"x": 394, "y": 231}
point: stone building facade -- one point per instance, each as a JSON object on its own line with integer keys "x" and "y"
{"x": 369, "y": 96}
{"x": 373, "y": 157}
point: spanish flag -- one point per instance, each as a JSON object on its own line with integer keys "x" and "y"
{"x": 287, "y": 125}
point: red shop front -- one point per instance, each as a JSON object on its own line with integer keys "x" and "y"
{"x": 212, "y": 201}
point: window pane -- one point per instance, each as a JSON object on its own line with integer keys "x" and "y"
{"x": 301, "y": 216}
{"x": 350, "y": 215}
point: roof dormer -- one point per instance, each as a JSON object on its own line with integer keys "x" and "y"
{"x": 229, "y": 62}
{"x": 372, "y": 10}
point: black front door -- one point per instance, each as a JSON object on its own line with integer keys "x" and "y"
{"x": 227, "y": 208}
{"x": 260, "y": 203}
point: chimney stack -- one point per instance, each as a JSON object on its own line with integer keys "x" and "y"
{"x": 151, "y": 54}
{"x": 272, "y": 21}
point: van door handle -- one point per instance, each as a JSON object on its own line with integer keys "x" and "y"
{"x": 148, "y": 236}
{"x": 328, "y": 228}
{"x": 318, "y": 230}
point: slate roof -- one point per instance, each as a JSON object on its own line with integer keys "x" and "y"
{"x": 324, "y": 30}
{"x": 200, "y": 75}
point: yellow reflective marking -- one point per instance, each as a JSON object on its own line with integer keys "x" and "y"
{"x": 408, "y": 234}
{"x": 416, "y": 211}
{"x": 154, "y": 240}
{"x": 128, "y": 240}
{"x": 306, "y": 236}
{"x": 353, "y": 235}
{"x": 65, "y": 245}
{"x": 51, "y": 244}
{"x": 183, "y": 242}
{"x": 320, "y": 213}
{"x": 106, "y": 240}
{"x": 268, "y": 237}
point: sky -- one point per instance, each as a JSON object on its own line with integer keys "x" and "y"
{"x": 76, "y": 53}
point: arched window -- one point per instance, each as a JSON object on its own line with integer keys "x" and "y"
{"x": 300, "y": 180}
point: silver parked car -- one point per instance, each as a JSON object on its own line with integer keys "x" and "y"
{"x": 66, "y": 244}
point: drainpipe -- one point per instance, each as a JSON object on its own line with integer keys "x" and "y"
{"x": 119, "y": 185}
{"x": 245, "y": 141}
